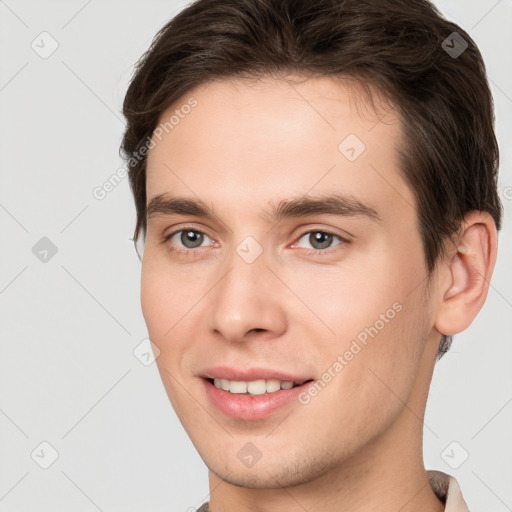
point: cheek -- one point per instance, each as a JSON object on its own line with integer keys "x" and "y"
{"x": 373, "y": 380}
{"x": 167, "y": 295}
{"x": 171, "y": 300}
{"x": 155, "y": 300}
{"x": 346, "y": 298}
{"x": 376, "y": 327}
{"x": 383, "y": 372}
{"x": 165, "y": 301}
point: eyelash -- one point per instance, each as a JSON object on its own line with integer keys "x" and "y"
{"x": 190, "y": 252}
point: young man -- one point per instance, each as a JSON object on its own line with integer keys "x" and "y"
{"x": 315, "y": 184}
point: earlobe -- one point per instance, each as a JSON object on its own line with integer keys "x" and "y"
{"x": 468, "y": 271}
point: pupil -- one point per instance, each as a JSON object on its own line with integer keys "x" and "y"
{"x": 320, "y": 240}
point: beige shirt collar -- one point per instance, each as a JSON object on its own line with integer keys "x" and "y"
{"x": 447, "y": 490}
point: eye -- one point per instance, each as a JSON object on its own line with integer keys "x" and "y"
{"x": 319, "y": 240}
{"x": 187, "y": 238}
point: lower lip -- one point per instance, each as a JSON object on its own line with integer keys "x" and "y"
{"x": 251, "y": 407}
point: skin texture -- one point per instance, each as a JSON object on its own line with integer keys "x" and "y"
{"x": 357, "y": 445}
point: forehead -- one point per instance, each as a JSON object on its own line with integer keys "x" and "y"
{"x": 269, "y": 138}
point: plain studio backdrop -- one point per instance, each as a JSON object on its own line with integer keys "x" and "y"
{"x": 76, "y": 395}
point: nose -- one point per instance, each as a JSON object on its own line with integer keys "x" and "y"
{"x": 248, "y": 300}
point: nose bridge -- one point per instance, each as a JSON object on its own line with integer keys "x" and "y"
{"x": 242, "y": 301}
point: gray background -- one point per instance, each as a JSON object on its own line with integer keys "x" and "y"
{"x": 69, "y": 325}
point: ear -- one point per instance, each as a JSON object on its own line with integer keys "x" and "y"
{"x": 466, "y": 273}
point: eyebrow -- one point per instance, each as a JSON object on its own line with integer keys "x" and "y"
{"x": 332, "y": 204}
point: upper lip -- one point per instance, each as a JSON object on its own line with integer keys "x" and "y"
{"x": 250, "y": 374}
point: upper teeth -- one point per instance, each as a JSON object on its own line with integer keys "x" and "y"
{"x": 254, "y": 387}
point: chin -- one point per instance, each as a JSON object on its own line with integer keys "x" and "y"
{"x": 269, "y": 474}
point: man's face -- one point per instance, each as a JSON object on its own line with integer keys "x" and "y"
{"x": 304, "y": 296}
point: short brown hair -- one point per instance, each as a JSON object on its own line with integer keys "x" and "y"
{"x": 449, "y": 156}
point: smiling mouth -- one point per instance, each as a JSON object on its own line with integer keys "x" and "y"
{"x": 255, "y": 387}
